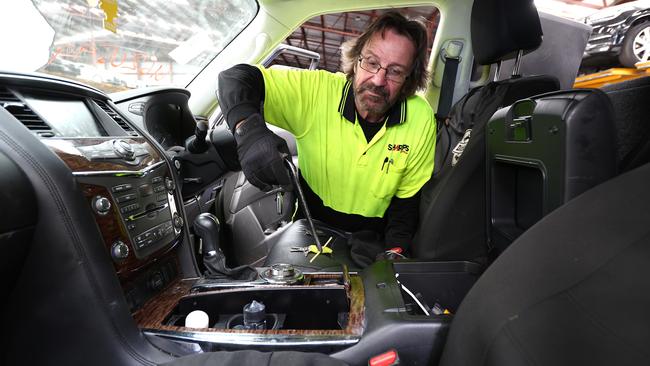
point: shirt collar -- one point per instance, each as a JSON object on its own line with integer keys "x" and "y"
{"x": 396, "y": 114}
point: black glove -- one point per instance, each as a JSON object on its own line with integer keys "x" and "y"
{"x": 365, "y": 246}
{"x": 261, "y": 154}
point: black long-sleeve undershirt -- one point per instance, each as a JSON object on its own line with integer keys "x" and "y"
{"x": 241, "y": 93}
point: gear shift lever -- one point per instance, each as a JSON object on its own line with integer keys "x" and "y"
{"x": 207, "y": 226}
{"x": 197, "y": 144}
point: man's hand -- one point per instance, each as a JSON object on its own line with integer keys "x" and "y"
{"x": 261, "y": 153}
{"x": 391, "y": 254}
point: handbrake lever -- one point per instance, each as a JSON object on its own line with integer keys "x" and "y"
{"x": 293, "y": 172}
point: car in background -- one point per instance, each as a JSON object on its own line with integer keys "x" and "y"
{"x": 621, "y": 34}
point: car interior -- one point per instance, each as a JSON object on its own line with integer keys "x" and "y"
{"x": 131, "y": 237}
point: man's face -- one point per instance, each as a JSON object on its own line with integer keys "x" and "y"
{"x": 374, "y": 94}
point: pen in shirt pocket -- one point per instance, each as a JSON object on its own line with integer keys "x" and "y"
{"x": 386, "y": 161}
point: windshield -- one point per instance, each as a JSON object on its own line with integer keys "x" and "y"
{"x": 115, "y": 45}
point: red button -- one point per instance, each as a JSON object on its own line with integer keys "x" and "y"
{"x": 384, "y": 359}
{"x": 397, "y": 250}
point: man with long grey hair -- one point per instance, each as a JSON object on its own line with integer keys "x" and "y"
{"x": 365, "y": 140}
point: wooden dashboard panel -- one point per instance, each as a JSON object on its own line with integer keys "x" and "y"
{"x": 70, "y": 151}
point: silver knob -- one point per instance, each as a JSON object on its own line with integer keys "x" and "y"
{"x": 119, "y": 251}
{"x": 101, "y": 205}
{"x": 123, "y": 149}
{"x": 282, "y": 270}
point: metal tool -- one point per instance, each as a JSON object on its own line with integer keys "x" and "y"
{"x": 311, "y": 249}
{"x": 293, "y": 172}
{"x": 304, "y": 250}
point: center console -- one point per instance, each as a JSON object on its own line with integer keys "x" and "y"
{"x": 321, "y": 311}
{"x": 130, "y": 190}
{"x": 406, "y": 306}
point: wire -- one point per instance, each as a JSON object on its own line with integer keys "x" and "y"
{"x": 426, "y": 312}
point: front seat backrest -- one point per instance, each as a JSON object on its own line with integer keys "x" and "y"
{"x": 631, "y": 112}
{"x": 452, "y": 208}
{"x": 572, "y": 290}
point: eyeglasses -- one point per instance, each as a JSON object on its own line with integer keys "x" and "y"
{"x": 394, "y": 73}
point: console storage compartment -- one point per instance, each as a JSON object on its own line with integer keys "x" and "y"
{"x": 286, "y": 308}
{"x": 442, "y": 283}
{"x": 324, "y": 313}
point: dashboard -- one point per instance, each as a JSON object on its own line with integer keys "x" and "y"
{"x": 127, "y": 182}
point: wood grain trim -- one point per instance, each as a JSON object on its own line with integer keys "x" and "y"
{"x": 152, "y": 315}
{"x": 68, "y": 150}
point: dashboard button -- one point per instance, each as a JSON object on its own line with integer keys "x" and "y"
{"x": 157, "y": 180}
{"x": 169, "y": 183}
{"x": 145, "y": 190}
{"x": 121, "y": 188}
{"x": 178, "y": 221}
{"x": 130, "y": 208}
{"x": 156, "y": 281}
{"x": 126, "y": 197}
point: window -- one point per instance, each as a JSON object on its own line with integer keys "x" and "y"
{"x": 324, "y": 34}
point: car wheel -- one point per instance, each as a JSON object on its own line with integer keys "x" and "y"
{"x": 636, "y": 47}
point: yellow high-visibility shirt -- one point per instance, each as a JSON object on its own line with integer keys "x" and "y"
{"x": 350, "y": 174}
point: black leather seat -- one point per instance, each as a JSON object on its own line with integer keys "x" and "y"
{"x": 452, "y": 208}
{"x": 16, "y": 231}
{"x": 298, "y": 235}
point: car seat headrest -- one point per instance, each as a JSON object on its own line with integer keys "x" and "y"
{"x": 501, "y": 28}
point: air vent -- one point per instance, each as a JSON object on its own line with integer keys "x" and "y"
{"x": 7, "y": 97}
{"x": 116, "y": 117}
{"x": 24, "y": 114}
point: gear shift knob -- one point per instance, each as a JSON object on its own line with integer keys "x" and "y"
{"x": 207, "y": 226}
{"x": 197, "y": 144}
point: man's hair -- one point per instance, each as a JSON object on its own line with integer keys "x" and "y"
{"x": 411, "y": 29}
